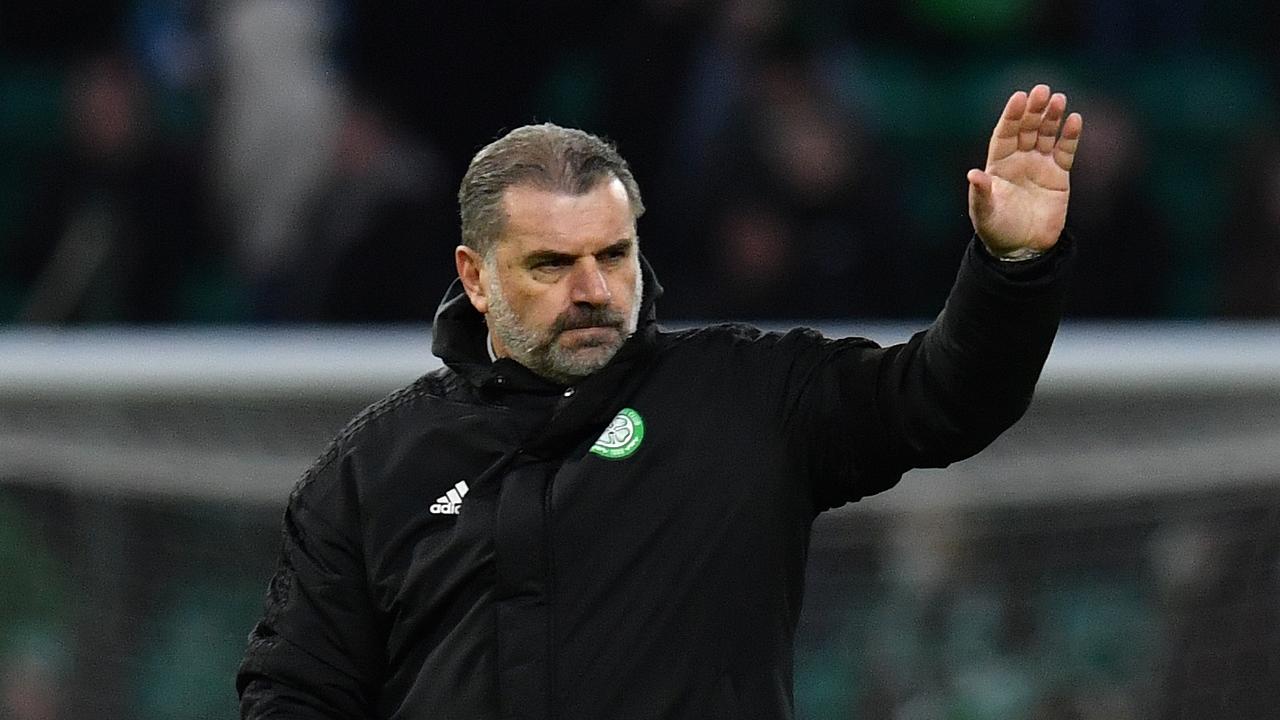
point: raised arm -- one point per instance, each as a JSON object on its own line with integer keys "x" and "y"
{"x": 953, "y": 388}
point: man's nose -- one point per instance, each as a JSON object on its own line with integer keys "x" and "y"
{"x": 589, "y": 284}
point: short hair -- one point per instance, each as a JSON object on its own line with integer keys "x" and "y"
{"x": 546, "y": 157}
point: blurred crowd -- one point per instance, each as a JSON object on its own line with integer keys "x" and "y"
{"x": 1017, "y": 615}
{"x": 127, "y": 607}
{"x": 183, "y": 161}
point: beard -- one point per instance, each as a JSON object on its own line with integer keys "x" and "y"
{"x": 540, "y": 349}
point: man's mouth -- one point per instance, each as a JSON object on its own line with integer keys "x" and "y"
{"x": 587, "y": 336}
{"x": 600, "y": 320}
{"x": 602, "y": 326}
{"x": 591, "y": 330}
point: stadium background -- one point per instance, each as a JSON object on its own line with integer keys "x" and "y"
{"x": 224, "y": 225}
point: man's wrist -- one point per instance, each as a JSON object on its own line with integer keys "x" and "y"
{"x": 1019, "y": 255}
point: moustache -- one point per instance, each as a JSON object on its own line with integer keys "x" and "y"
{"x": 578, "y": 318}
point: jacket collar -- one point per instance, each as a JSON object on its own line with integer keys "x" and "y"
{"x": 459, "y": 338}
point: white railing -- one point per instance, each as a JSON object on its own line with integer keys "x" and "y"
{"x": 346, "y": 361}
{"x": 1122, "y": 410}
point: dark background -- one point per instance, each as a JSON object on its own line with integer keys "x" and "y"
{"x": 170, "y": 161}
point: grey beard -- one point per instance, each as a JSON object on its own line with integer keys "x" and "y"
{"x": 540, "y": 352}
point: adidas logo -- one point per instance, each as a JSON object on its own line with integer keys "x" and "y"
{"x": 450, "y": 502}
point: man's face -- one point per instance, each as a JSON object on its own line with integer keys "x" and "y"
{"x": 561, "y": 289}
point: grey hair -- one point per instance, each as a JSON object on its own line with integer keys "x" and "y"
{"x": 546, "y": 157}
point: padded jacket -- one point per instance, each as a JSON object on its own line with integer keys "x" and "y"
{"x": 484, "y": 544}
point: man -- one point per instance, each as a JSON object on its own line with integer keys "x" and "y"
{"x": 583, "y": 516}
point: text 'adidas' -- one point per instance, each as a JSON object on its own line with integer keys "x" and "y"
{"x": 450, "y": 502}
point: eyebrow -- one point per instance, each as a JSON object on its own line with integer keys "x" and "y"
{"x": 623, "y": 244}
{"x": 541, "y": 256}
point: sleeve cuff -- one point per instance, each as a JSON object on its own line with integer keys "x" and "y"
{"x": 1043, "y": 266}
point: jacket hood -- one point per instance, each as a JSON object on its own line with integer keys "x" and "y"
{"x": 459, "y": 332}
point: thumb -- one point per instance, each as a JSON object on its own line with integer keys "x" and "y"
{"x": 979, "y": 192}
{"x": 980, "y": 182}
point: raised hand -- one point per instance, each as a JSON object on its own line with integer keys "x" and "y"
{"x": 1020, "y": 200}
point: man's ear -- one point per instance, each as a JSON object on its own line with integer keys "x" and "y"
{"x": 471, "y": 272}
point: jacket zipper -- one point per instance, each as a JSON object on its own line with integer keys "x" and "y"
{"x": 548, "y": 564}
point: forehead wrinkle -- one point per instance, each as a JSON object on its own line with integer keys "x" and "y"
{"x": 551, "y": 221}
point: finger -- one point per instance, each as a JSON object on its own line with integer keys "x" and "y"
{"x": 1064, "y": 153}
{"x": 1004, "y": 138}
{"x": 1052, "y": 120}
{"x": 1011, "y": 118}
{"x": 1038, "y": 98}
{"x": 1029, "y": 129}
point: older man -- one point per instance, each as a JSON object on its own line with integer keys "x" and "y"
{"x": 584, "y": 516}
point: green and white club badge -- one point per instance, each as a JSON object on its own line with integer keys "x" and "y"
{"x": 621, "y": 437}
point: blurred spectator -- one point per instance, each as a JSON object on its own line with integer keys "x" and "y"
{"x": 1251, "y": 248}
{"x": 1226, "y": 629}
{"x": 32, "y": 682}
{"x": 718, "y": 77}
{"x": 1014, "y": 624}
{"x": 707, "y": 90}
{"x": 338, "y": 214}
{"x": 375, "y": 243}
{"x": 34, "y": 619}
{"x": 116, "y": 217}
{"x": 276, "y": 128}
{"x": 799, "y": 206}
{"x": 194, "y": 640}
{"x": 1124, "y": 261}
{"x": 171, "y": 42}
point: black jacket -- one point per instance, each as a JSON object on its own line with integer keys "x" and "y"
{"x": 652, "y": 579}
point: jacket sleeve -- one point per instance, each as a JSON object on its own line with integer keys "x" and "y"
{"x": 864, "y": 415}
{"x": 317, "y": 651}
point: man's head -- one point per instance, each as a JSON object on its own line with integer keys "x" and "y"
{"x": 549, "y": 249}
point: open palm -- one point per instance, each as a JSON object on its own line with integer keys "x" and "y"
{"x": 1020, "y": 200}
